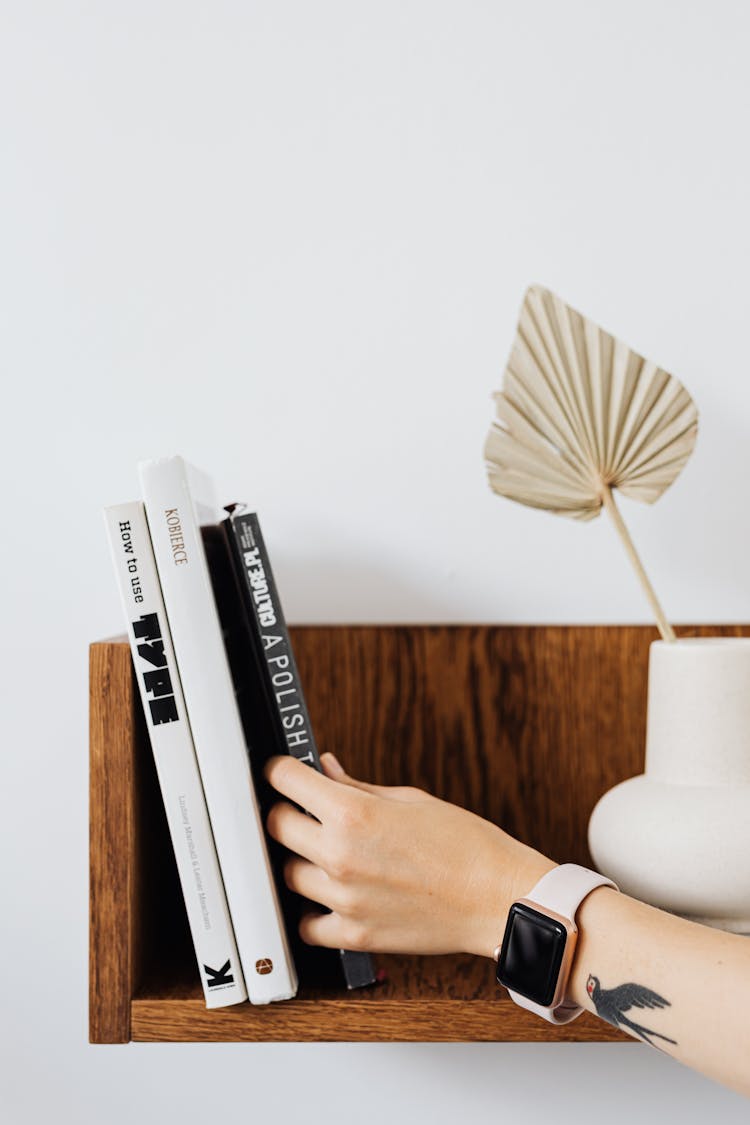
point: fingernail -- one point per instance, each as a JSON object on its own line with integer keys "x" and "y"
{"x": 334, "y": 765}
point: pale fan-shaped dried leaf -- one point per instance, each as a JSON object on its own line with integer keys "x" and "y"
{"x": 580, "y": 412}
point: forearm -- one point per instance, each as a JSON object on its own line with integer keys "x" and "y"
{"x": 702, "y": 973}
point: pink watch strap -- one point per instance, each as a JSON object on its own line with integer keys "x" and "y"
{"x": 562, "y": 890}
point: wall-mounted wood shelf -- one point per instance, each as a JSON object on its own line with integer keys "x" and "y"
{"x": 525, "y": 725}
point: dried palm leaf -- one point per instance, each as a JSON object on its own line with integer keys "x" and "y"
{"x": 581, "y": 414}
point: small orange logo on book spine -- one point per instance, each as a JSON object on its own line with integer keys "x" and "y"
{"x": 264, "y": 966}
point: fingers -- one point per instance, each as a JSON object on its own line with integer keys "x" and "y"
{"x": 296, "y": 831}
{"x": 309, "y": 880}
{"x": 321, "y": 794}
{"x": 303, "y": 784}
{"x": 334, "y": 931}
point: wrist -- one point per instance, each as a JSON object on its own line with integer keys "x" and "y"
{"x": 594, "y": 923}
{"x": 509, "y": 872}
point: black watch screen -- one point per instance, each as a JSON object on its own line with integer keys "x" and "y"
{"x": 531, "y": 954}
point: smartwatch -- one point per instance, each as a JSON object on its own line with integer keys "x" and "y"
{"x": 536, "y": 953}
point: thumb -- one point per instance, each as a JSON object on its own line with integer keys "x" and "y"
{"x": 333, "y": 769}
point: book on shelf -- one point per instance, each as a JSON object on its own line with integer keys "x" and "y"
{"x": 177, "y": 769}
{"x": 181, "y": 511}
{"x": 286, "y": 727}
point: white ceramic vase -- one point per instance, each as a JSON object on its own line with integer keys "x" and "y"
{"x": 678, "y": 836}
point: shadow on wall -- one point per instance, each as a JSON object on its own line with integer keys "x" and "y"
{"x": 712, "y": 566}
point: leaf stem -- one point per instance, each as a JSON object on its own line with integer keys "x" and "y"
{"x": 608, "y": 500}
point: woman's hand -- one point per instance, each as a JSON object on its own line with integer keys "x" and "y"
{"x": 402, "y": 871}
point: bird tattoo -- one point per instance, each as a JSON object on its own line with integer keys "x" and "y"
{"x": 612, "y": 1003}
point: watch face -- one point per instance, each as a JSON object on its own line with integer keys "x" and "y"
{"x": 531, "y": 954}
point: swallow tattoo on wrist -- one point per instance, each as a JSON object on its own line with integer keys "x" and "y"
{"x": 612, "y": 1003}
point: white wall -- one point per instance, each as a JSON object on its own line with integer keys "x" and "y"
{"x": 290, "y": 240}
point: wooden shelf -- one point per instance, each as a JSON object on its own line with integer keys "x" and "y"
{"x": 526, "y": 725}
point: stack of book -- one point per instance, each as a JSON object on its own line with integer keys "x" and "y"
{"x": 221, "y": 693}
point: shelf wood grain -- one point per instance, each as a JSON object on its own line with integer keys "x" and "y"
{"x": 525, "y": 725}
{"x": 352, "y": 1020}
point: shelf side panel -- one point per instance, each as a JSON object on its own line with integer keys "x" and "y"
{"x": 112, "y": 842}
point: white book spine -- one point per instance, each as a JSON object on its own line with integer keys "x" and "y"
{"x": 174, "y": 754}
{"x": 178, "y": 501}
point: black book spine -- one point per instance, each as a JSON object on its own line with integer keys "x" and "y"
{"x": 286, "y": 706}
